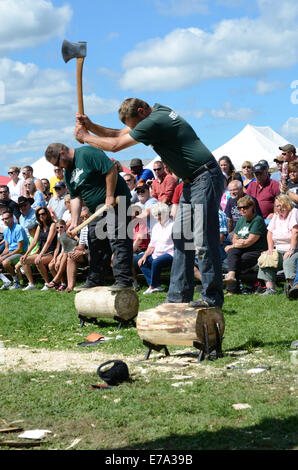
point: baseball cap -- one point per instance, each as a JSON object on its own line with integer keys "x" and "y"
{"x": 264, "y": 163}
{"x": 23, "y": 200}
{"x": 288, "y": 148}
{"x": 142, "y": 186}
{"x": 278, "y": 160}
{"x": 136, "y": 162}
{"x": 60, "y": 184}
{"x": 259, "y": 168}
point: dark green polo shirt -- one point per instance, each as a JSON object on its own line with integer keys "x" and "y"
{"x": 87, "y": 179}
{"x": 173, "y": 139}
{"x": 255, "y": 226}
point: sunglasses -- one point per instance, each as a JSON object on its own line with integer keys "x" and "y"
{"x": 243, "y": 207}
{"x": 42, "y": 213}
{"x": 135, "y": 167}
{"x": 142, "y": 191}
{"x": 157, "y": 169}
{"x": 247, "y": 166}
{"x": 3, "y": 192}
{"x": 6, "y": 218}
{"x": 60, "y": 227}
{"x": 10, "y": 172}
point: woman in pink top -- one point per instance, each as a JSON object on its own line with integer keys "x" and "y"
{"x": 160, "y": 251}
{"x": 282, "y": 236}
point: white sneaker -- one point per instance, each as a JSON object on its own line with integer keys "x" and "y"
{"x": 30, "y": 287}
{"x": 5, "y": 286}
{"x": 148, "y": 291}
{"x": 45, "y": 287}
{"x": 158, "y": 289}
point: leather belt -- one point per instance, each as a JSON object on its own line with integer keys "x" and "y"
{"x": 199, "y": 171}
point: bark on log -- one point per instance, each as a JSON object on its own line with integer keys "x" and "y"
{"x": 101, "y": 302}
{"x": 179, "y": 324}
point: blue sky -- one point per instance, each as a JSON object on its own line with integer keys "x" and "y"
{"x": 221, "y": 64}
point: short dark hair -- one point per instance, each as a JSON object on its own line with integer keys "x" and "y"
{"x": 129, "y": 108}
{"x": 53, "y": 151}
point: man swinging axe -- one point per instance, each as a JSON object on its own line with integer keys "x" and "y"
{"x": 181, "y": 149}
{"x": 92, "y": 177}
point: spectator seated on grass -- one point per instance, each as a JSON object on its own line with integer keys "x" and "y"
{"x": 145, "y": 202}
{"x": 19, "y": 266}
{"x": 16, "y": 244}
{"x": 79, "y": 255}
{"x": 46, "y": 236}
{"x": 160, "y": 251}
{"x": 58, "y": 264}
{"x": 248, "y": 242}
{"x": 35, "y": 194}
{"x": 282, "y": 237}
{"x": 141, "y": 240}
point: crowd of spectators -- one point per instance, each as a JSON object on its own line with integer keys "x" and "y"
{"x": 258, "y": 214}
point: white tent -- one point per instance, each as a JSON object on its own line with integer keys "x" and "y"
{"x": 42, "y": 168}
{"x": 253, "y": 144}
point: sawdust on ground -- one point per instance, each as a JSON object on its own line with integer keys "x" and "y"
{"x": 30, "y": 359}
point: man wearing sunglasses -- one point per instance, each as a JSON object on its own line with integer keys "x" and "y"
{"x": 178, "y": 145}
{"x": 10, "y": 204}
{"x": 164, "y": 184}
{"x": 288, "y": 153}
{"x": 92, "y": 177}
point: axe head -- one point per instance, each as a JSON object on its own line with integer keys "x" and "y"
{"x": 71, "y": 50}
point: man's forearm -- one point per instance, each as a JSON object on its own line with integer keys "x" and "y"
{"x": 111, "y": 181}
{"x": 101, "y": 131}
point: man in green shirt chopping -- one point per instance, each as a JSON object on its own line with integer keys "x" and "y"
{"x": 196, "y": 224}
{"x": 91, "y": 177}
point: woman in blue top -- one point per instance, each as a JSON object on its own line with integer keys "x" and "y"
{"x": 31, "y": 191}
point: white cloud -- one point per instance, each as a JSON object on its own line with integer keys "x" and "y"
{"x": 263, "y": 88}
{"x": 290, "y": 130}
{"x": 27, "y": 23}
{"x": 44, "y": 97}
{"x": 244, "y": 47}
{"x": 182, "y": 7}
{"x": 228, "y": 112}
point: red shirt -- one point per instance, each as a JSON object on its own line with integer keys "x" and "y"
{"x": 163, "y": 190}
{"x": 177, "y": 193}
{"x": 265, "y": 195}
{"x": 141, "y": 229}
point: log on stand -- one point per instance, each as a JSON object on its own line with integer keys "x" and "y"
{"x": 101, "y": 302}
{"x": 182, "y": 325}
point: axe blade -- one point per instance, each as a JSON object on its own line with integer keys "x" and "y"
{"x": 71, "y": 50}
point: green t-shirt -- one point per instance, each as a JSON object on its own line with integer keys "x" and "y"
{"x": 255, "y": 226}
{"x": 173, "y": 139}
{"x": 87, "y": 179}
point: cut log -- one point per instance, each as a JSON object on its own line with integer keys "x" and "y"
{"x": 101, "y": 302}
{"x": 179, "y": 324}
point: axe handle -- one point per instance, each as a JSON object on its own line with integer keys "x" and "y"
{"x": 80, "y": 63}
{"x": 91, "y": 218}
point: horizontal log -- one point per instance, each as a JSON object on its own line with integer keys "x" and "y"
{"x": 101, "y": 302}
{"x": 179, "y": 324}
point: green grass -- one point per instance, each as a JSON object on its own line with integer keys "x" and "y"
{"x": 149, "y": 412}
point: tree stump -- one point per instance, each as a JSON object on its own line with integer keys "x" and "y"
{"x": 181, "y": 325}
{"x": 101, "y": 302}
